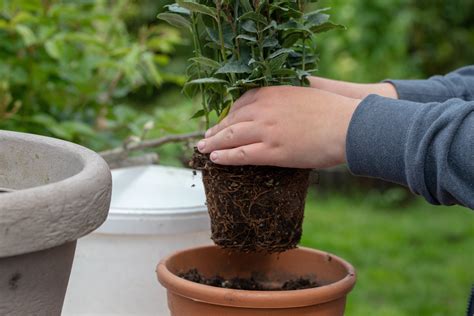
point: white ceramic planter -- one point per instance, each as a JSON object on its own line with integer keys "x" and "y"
{"x": 155, "y": 211}
{"x": 59, "y": 192}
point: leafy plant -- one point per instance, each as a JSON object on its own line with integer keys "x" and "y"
{"x": 243, "y": 44}
{"x": 71, "y": 66}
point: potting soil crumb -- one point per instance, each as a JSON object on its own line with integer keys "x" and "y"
{"x": 249, "y": 284}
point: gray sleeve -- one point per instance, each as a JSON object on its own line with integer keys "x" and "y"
{"x": 428, "y": 147}
{"x": 457, "y": 84}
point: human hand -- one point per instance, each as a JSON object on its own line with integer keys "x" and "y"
{"x": 354, "y": 90}
{"x": 282, "y": 126}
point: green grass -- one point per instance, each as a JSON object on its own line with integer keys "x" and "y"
{"x": 416, "y": 259}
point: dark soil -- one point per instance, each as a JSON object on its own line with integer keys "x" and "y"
{"x": 250, "y": 284}
{"x": 254, "y": 208}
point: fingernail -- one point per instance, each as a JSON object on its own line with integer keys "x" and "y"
{"x": 214, "y": 156}
{"x": 208, "y": 133}
{"x": 201, "y": 145}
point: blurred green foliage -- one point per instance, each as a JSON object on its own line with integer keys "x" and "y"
{"x": 442, "y": 35}
{"x": 67, "y": 68}
{"x": 95, "y": 71}
{"x": 397, "y": 39}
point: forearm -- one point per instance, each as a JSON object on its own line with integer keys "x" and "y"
{"x": 354, "y": 90}
{"x": 427, "y": 147}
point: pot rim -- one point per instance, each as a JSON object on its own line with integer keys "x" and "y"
{"x": 257, "y": 299}
{"x": 49, "y": 215}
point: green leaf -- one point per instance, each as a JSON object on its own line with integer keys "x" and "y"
{"x": 224, "y": 113}
{"x": 29, "y": 38}
{"x": 43, "y": 119}
{"x": 292, "y": 24}
{"x": 206, "y": 62}
{"x": 302, "y": 74}
{"x": 153, "y": 72}
{"x": 291, "y": 39}
{"x": 198, "y": 8}
{"x": 209, "y": 80}
{"x": 23, "y": 17}
{"x": 177, "y": 9}
{"x": 52, "y": 48}
{"x": 199, "y": 113}
{"x": 272, "y": 25}
{"x": 270, "y": 42}
{"x": 254, "y": 17}
{"x": 277, "y": 62}
{"x": 285, "y": 72}
{"x": 227, "y": 33}
{"x": 247, "y": 38}
{"x": 249, "y": 26}
{"x": 78, "y": 128}
{"x": 175, "y": 20}
{"x": 280, "y": 51}
{"x": 246, "y": 5}
{"x": 317, "y": 17}
{"x": 326, "y": 27}
{"x": 61, "y": 132}
{"x": 236, "y": 67}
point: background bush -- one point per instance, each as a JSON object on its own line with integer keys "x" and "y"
{"x": 95, "y": 71}
{"x": 397, "y": 39}
{"x": 68, "y": 69}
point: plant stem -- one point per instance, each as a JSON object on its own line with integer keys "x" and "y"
{"x": 236, "y": 15}
{"x": 301, "y": 5}
{"x": 206, "y": 112}
{"x": 194, "y": 32}
{"x": 198, "y": 53}
{"x": 219, "y": 28}
{"x": 304, "y": 53}
{"x": 261, "y": 53}
{"x": 221, "y": 37}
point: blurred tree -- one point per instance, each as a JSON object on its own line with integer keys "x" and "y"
{"x": 397, "y": 39}
{"x": 442, "y": 35}
{"x": 143, "y": 12}
{"x": 375, "y": 44}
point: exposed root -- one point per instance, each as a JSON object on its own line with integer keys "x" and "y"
{"x": 254, "y": 208}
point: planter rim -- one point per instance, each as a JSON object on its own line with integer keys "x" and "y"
{"x": 257, "y": 299}
{"x": 156, "y": 200}
{"x": 53, "y": 214}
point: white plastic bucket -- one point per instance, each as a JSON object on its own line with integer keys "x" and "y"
{"x": 155, "y": 211}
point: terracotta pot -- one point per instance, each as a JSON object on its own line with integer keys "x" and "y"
{"x": 186, "y": 298}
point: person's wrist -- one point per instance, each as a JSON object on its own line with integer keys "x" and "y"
{"x": 386, "y": 89}
{"x": 344, "y": 119}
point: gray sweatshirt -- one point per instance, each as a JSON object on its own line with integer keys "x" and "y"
{"x": 424, "y": 140}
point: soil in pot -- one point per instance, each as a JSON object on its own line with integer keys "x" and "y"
{"x": 252, "y": 283}
{"x": 254, "y": 208}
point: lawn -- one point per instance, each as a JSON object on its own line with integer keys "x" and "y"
{"x": 415, "y": 259}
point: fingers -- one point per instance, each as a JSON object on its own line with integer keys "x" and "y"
{"x": 253, "y": 154}
{"x": 236, "y": 135}
{"x": 233, "y": 118}
{"x": 247, "y": 98}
